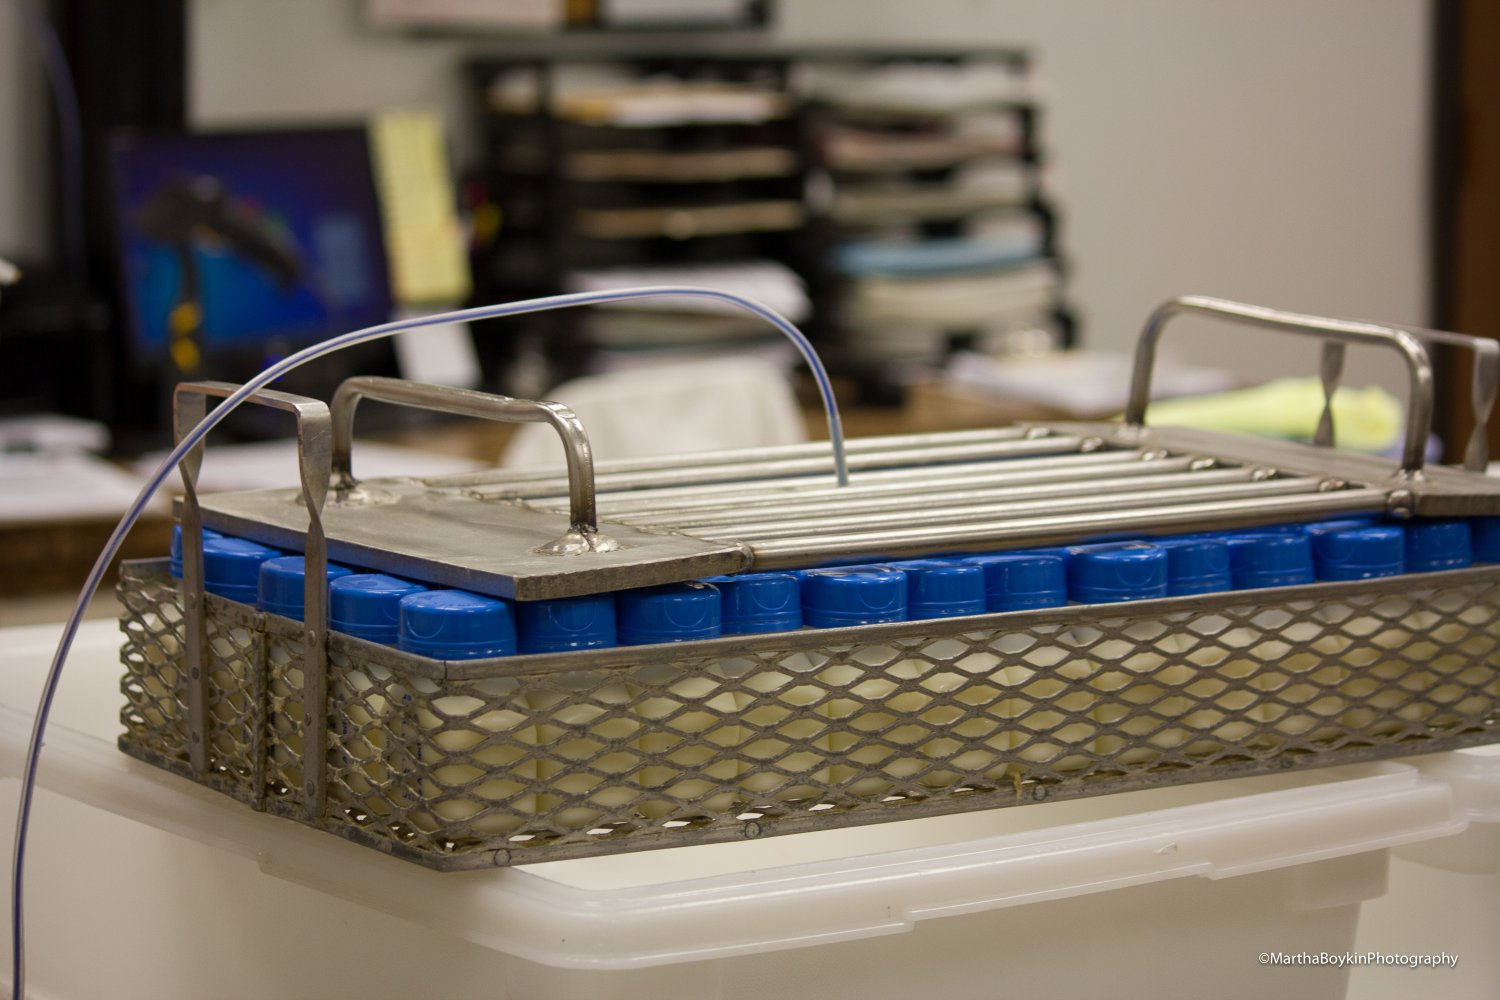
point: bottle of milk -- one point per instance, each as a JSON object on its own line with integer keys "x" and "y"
{"x": 1343, "y": 551}
{"x": 368, "y": 606}
{"x": 231, "y": 569}
{"x": 479, "y": 790}
{"x": 1196, "y": 565}
{"x": 1018, "y": 581}
{"x": 1268, "y": 558}
{"x": 836, "y": 598}
{"x": 1120, "y": 674}
{"x": 676, "y": 612}
{"x": 570, "y": 730}
{"x": 1435, "y": 546}
{"x": 281, "y": 589}
{"x": 752, "y": 604}
{"x": 935, "y": 588}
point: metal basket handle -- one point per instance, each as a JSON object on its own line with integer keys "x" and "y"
{"x": 1336, "y": 333}
{"x": 583, "y": 533}
{"x": 1483, "y": 387}
{"x": 314, "y": 438}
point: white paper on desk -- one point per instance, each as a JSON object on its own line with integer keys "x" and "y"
{"x": 442, "y": 354}
{"x": 273, "y": 464}
{"x": 1082, "y": 383}
{"x": 63, "y": 486}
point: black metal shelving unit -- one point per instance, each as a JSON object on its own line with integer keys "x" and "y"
{"x": 550, "y": 212}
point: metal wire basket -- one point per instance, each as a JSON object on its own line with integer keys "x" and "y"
{"x": 470, "y": 764}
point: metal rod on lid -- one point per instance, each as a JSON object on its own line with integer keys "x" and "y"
{"x": 1049, "y": 468}
{"x": 1028, "y": 532}
{"x": 745, "y": 456}
{"x": 914, "y": 462}
{"x": 907, "y": 499}
{"x": 836, "y": 524}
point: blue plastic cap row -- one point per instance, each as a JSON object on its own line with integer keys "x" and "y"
{"x": 566, "y": 623}
{"x": 281, "y": 586}
{"x": 1438, "y": 545}
{"x": 368, "y": 605}
{"x": 174, "y": 552}
{"x": 759, "y": 602}
{"x": 456, "y": 625}
{"x": 1270, "y": 559}
{"x": 1021, "y": 581}
{"x": 231, "y": 567}
{"x": 674, "y": 612}
{"x": 857, "y": 595}
{"x": 1118, "y": 571}
{"x": 1196, "y": 565}
{"x": 1358, "y": 552}
{"x": 1485, "y": 539}
{"x": 941, "y": 588}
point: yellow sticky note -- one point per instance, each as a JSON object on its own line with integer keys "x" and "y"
{"x": 423, "y": 237}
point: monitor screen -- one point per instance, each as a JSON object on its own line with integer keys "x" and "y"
{"x": 238, "y": 247}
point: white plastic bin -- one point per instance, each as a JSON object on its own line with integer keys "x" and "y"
{"x": 145, "y": 885}
{"x": 1444, "y": 895}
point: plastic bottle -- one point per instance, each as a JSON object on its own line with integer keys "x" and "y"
{"x": 1196, "y": 565}
{"x": 1016, "y": 581}
{"x": 231, "y": 569}
{"x": 367, "y": 606}
{"x": 752, "y": 604}
{"x": 934, "y": 589}
{"x": 1260, "y": 559}
{"x": 457, "y": 625}
{"x": 1434, "y": 546}
{"x": 1360, "y": 552}
{"x": 281, "y": 590}
{"x": 1119, "y": 675}
{"x": 837, "y": 598}
{"x": 677, "y": 612}
{"x": 573, "y": 731}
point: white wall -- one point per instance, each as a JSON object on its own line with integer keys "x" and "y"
{"x": 1273, "y": 151}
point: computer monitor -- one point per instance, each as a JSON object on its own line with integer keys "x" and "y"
{"x": 239, "y": 247}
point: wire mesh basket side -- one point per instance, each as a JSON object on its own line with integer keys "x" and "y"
{"x": 569, "y": 762}
{"x": 544, "y": 757}
{"x": 154, "y": 684}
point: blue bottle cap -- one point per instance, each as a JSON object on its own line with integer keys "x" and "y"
{"x": 1340, "y": 524}
{"x": 859, "y": 595}
{"x": 1020, "y": 581}
{"x": 566, "y": 623}
{"x": 281, "y": 587}
{"x": 938, "y": 588}
{"x": 456, "y": 625}
{"x": 673, "y": 612}
{"x": 1359, "y": 553}
{"x": 1485, "y": 534}
{"x": 368, "y": 605}
{"x": 1435, "y": 545}
{"x": 1196, "y": 565}
{"x": 1269, "y": 559}
{"x": 760, "y": 602}
{"x": 1119, "y": 571}
{"x": 174, "y": 553}
{"x": 231, "y": 567}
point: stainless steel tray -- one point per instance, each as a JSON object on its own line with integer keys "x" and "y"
{"x": 462, "y": 765}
